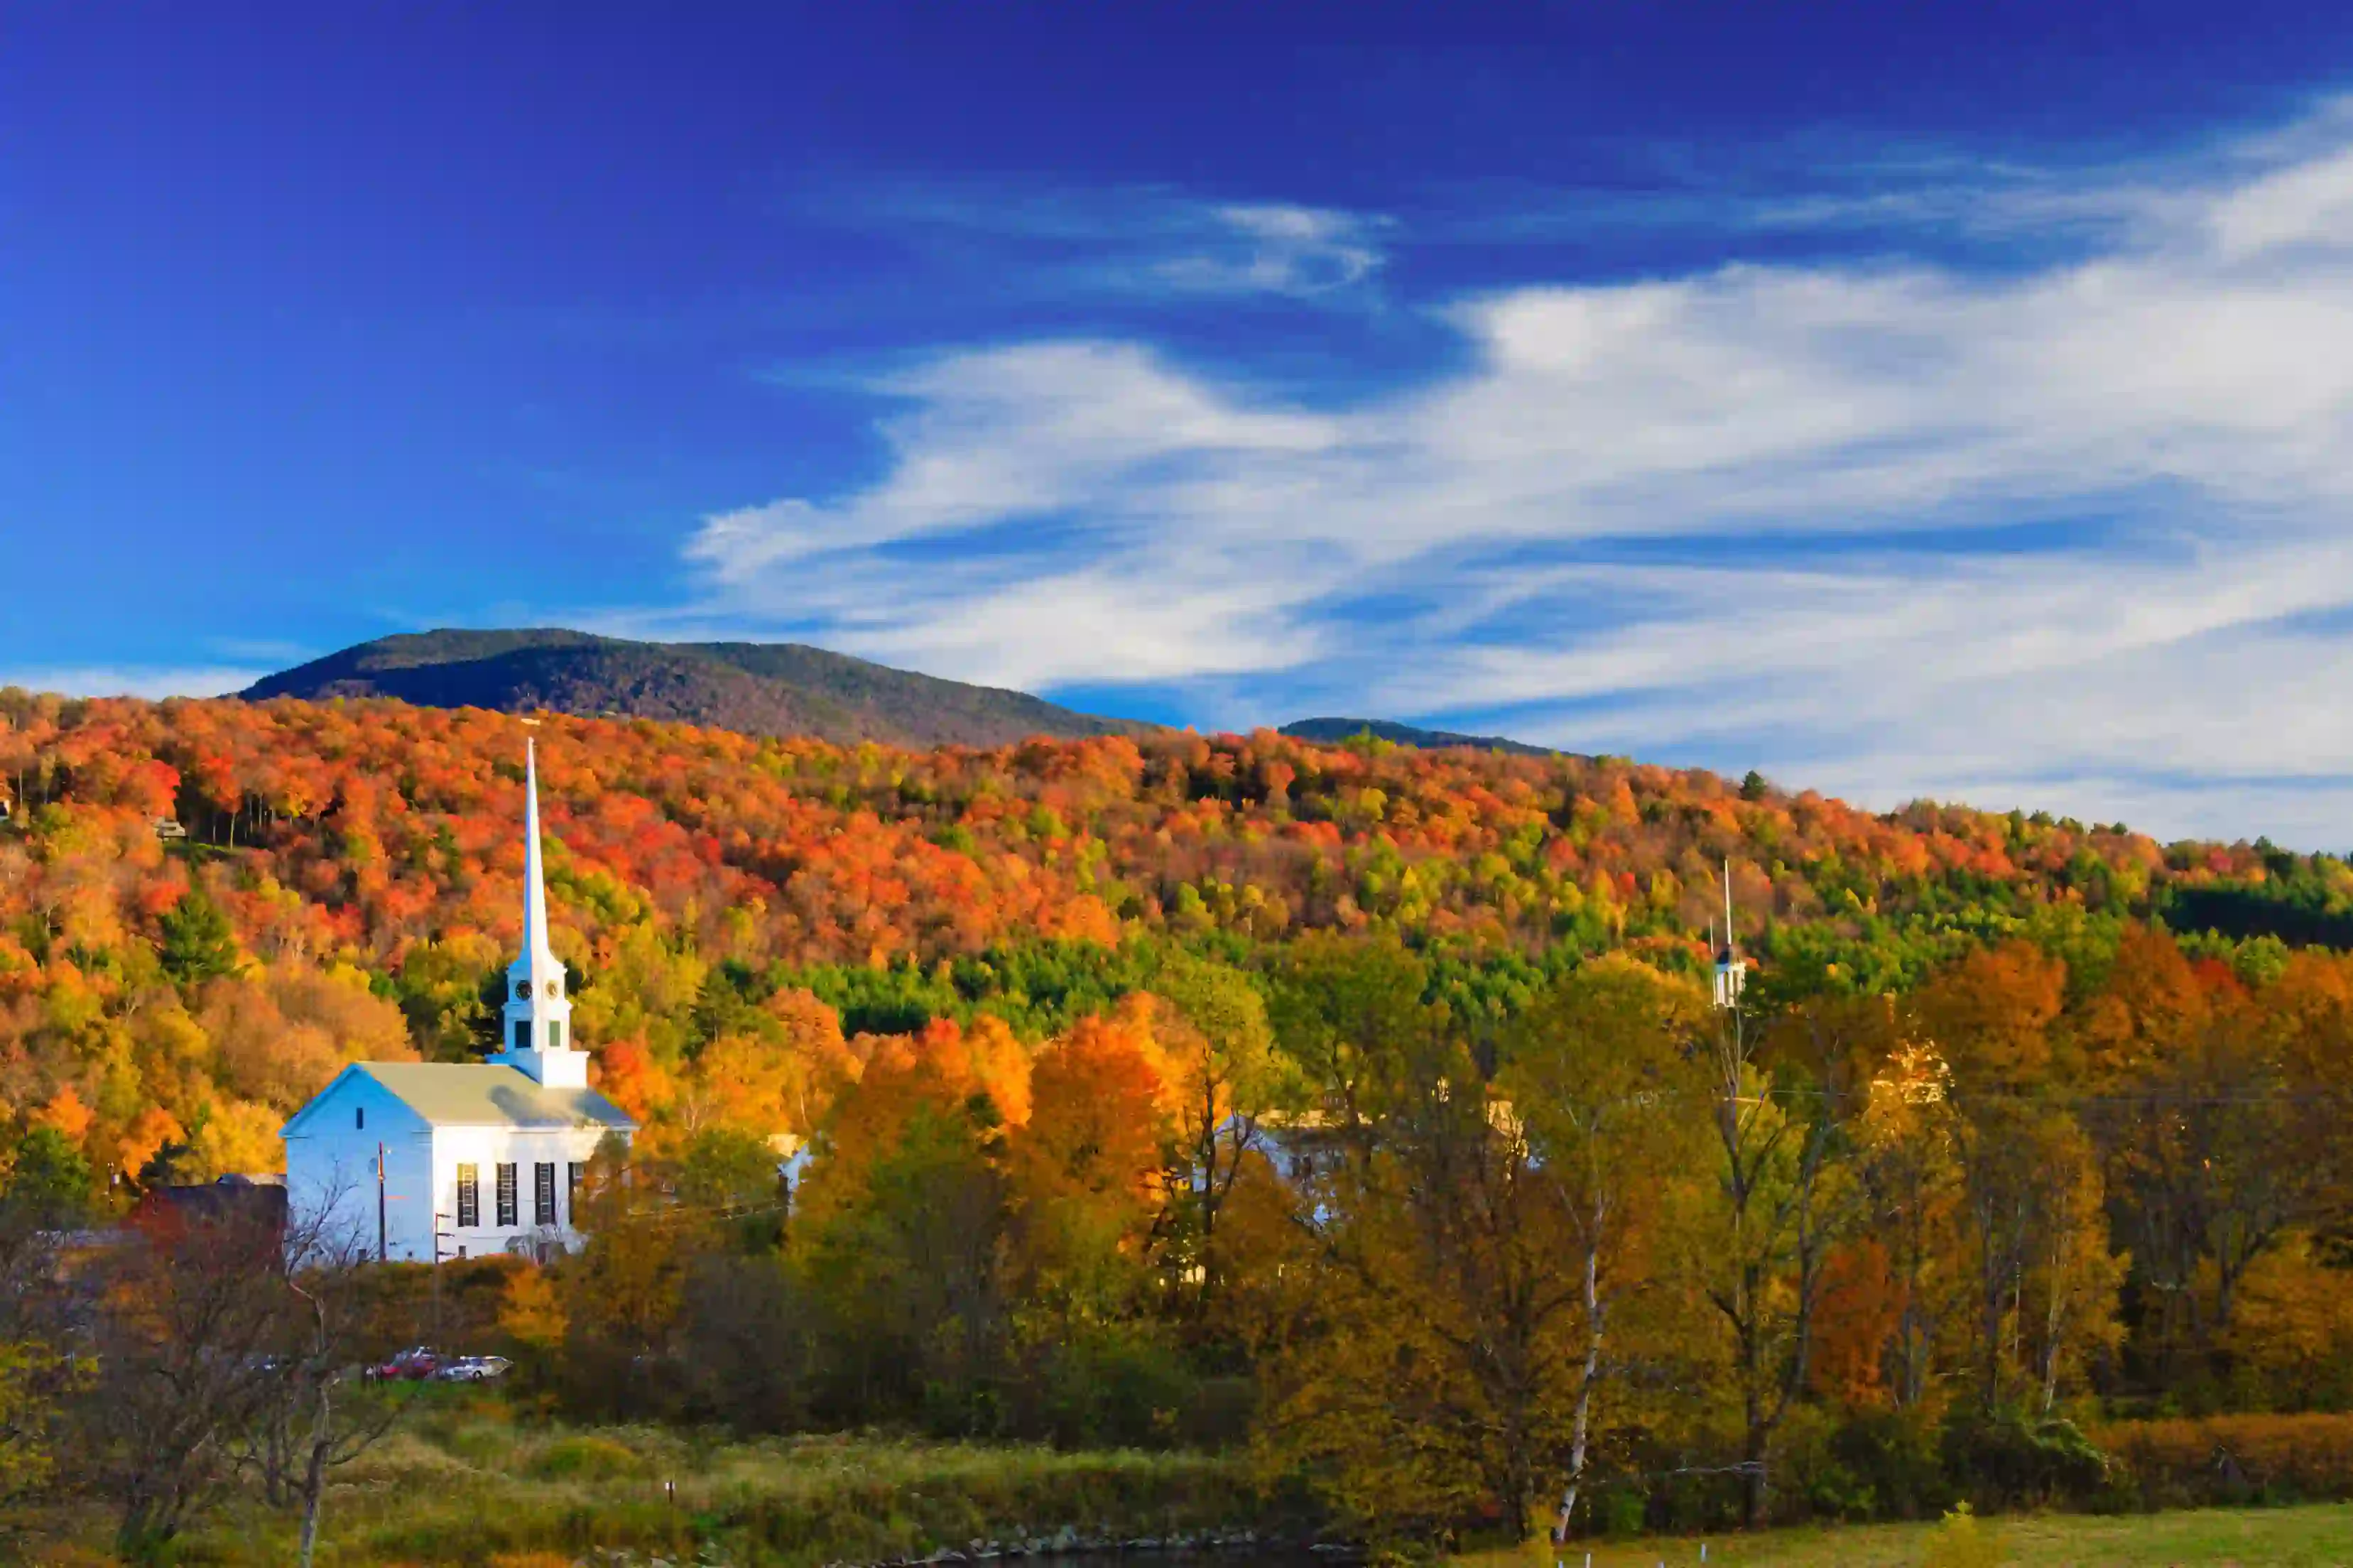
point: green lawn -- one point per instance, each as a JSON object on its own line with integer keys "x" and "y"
{"x": 2249, "y": 1538}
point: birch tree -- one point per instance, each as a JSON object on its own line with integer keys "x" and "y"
{"x": 1598, "y": 1075}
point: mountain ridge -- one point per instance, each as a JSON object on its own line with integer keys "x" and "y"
{"x": 759, "y": 688}
{"x": 1332, "y": 731}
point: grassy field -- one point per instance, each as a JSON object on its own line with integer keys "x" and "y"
{"x": 2315, "y": 1537}
{"x": 861, "y": 1501}
{"x": 464, "y": 1484}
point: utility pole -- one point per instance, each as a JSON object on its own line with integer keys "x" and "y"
{"x": 380, "y": 1223}
{"x": 439, "y": 1235}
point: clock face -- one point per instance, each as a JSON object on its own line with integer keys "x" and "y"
{"x": 523, "y": 990}
{"x": 553, "y": 989}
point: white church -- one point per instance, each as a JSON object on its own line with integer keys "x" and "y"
{"x": 428, "y": 1161}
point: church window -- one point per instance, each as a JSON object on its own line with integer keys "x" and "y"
{"x": 575, "y": 1174}
{"x": 359, "y": 1117}
{"x": 506, "y": 1194}
{"x": 469, "y": 1196}
{"x": 542, "y": 1193}
{"x": 556, "y": 1034}
{"x": 523, "y": 1034}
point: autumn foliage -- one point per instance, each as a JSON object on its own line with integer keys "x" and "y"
{"x": 1361, "y": 1102}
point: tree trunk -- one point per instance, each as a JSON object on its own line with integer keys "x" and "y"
{"x": 1580, "y": 1423}
{"x": 314, "y": 1472}
{"x": 2054, "y": 1320}
{"x": 277, "y": 1454}
{"x": 1752, "y": 1476}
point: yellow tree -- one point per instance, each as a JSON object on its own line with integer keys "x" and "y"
{"x": 1909, "y": 1136}
{"x": 2217, "y": 1133}
{"x": 1427, "y": 1370}
{"x": 1787, "y": 1195}
{"x": 1089, "y": 1167}
{"x": 1085, "y": 1178}
{"x": 2034, "y": 1214}
{"x": 1225, "y": 1073}
{"x": 37, "y": 1371}
{"x": 618, "y": 1299}
{"x": 900, "y": 1228}
{"x": 2291, "y": 1337}
{"x": 1438, "y": 1385}
{"x": 1598, "y": 1074}
{"x": 2073, "y": 1276}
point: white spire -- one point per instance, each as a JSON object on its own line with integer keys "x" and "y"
{"x": 538, "y": 1022}
{"x": 1731, "y": 969}
{"x": 535, "y": 883}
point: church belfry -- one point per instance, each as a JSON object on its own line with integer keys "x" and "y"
{"x": 538, "y": 1038}
{"x": 1731, "y": 969}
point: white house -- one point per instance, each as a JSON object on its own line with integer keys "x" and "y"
{"x": 424, "y": 1161}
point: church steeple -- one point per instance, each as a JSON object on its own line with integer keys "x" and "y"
{"x": 538, "y": 960}
{"x": 538, "y": 1012}
{"x": 1731, "y": 969}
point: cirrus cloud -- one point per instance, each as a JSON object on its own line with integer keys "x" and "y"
{"x": 2074, "y": 534}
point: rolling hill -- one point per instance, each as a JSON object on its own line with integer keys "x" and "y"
{"x": 758, "y": 689}
{"x": 1329, "y": 732}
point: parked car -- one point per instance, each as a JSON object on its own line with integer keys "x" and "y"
{"x": 416, "y": 1362}
{"x": 473, "y": 1369}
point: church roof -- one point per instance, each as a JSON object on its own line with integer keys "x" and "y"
{"x": 468, "y": 1094}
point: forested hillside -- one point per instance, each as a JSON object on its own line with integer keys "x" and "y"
{"x": 1362, "y": 1098}
{"x": 351, "y": 878}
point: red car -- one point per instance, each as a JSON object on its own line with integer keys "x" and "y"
{"x": 415, "y": 1363}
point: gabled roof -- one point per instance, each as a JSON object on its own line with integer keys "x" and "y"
{"x": 469, "y": 1094}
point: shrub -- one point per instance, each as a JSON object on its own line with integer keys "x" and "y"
{"x": 1110, "y": 1390}
{"x": 1963, "y": 1541}
{"x": 1622, "y": 1511}
{"x": 586, "y": 1458}
{"x": 1889, "y": 1466}
{"x": 2011, "y": 1459}
{"x": 2235, "y": 1458}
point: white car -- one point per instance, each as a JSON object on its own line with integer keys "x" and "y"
{"x": 473, "y": 1369}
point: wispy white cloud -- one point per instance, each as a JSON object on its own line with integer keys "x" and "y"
{"x": 1762, "y": 513}
{"x": 131, "y": 680}
{"x": 1128, "y": 242}
{"x": 276, "y": 652}
{"x": 1277, "y": 249}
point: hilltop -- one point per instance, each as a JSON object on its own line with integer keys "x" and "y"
{"x": 758, "y": 689}
{"x": 1332, "y": 731}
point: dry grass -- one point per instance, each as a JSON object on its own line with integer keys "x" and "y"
{"x": 466, "y": 1484}
{"x": 2312, "y": 1537}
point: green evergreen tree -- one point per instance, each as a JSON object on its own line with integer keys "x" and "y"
{"x": 49, "y": 1181}
{"x": 198, "y": 943}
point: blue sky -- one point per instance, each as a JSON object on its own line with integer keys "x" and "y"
{"x": 1903, "y": 399}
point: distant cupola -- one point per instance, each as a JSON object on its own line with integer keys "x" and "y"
{"x": 538, "y": 1012}
{"x": 1731, "y": 973}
